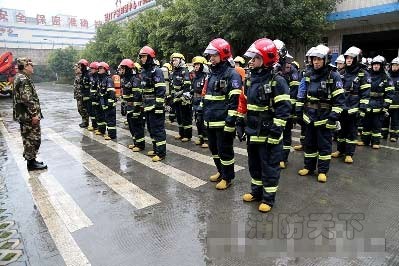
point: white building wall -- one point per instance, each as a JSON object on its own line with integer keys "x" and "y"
{"x": 30, "y": 35}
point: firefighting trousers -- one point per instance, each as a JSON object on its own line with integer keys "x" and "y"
{"x": 264, "y": 168}
{"x": 91, "y": 110}
{"x": 372, "y": 123}
{"x": 184, "y": 119}
{"x": 391, "y": 124}
{"x": 287, "y": 140}
{"x": 303, "y": 134}
{"x": 110, "y": 119}
{"x": 347, "y": 136}
{"x": 156, "y": 128}
{"x": 199, "y": 121}
{"x": 318, "y": 146}
{"x": 221, "y": 146}
{"x": 136, "y": 125}
{"x": 172, "y": 112}
{"x": 100, "y": 118}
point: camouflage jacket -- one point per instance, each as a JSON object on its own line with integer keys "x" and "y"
{"x": 25, "y": 100}
{"x": 76, "y": 87}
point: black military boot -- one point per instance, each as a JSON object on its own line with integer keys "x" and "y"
{"x": 84, "y": 124}
{"x": 35, "y": 165}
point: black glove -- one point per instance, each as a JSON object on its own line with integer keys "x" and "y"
{"x": 240, "y": 129}
{"x": 123, "y": 108}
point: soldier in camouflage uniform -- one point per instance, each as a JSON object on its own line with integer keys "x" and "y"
{"x": 79, "y": 98}
{"x": 26, "y": 110}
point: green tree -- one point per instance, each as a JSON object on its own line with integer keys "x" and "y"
{"x": 61, "y": 61}
{"x": 187, "y": 26}
{"x": 106, "y": 45}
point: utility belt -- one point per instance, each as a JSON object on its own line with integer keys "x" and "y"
{"x": 318, "y": 105}
{"x": 351, "y": 92}
{"x": 376, "y": 94}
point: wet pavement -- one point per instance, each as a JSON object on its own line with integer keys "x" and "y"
{"x": 101, "y": 204}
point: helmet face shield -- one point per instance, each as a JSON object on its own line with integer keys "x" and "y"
{"x": 219, "y": 46}
{"x": 251, "y": 54}
{"x": 210, "y": 50}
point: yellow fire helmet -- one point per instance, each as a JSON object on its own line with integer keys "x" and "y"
{"x": 177, "y": 55}
{"x": 168, "y": 66}
{"x": 239, "y": 59}
{"x": 137, "y": 65}
{"x": 199, "y": 60}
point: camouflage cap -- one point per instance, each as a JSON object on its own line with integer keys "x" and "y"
{"x": 23, "y": 61}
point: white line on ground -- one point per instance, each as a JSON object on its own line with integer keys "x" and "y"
{"x": 182, "y": 151}
{"x": 132, "y": 193}
{"x": 66, "y": 245}
{"x": 170, "y": 171}
{"x": 67, "y": 209}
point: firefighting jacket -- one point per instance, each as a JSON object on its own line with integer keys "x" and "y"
{"x": 292, "y": 78}
{"x": 265, "y": 101}
{"x": 153, "y": 89}
{"x": 382, "y": 91}
{"x": 221, "y": 93}
{"x": 324, "y": 97}
{"x": 395, "y": 80}
{"x": 180, "y": 82}
{"x": 130, "y": 84}
{"x": 356, "y": 83}
{"x": 85, "y": 86}
{"x": 197, "y": 86}
{"x": 106, "y": 91}
{"x": 94, "y": 96}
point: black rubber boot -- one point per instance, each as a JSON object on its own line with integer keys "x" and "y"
{"x": 35, "y": 165}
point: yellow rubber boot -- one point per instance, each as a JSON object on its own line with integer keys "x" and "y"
{"x": 303, "y": 172}
{"x": 376, "y": 146}
{"x": 360, "y": 143}
{"x": 151, "y": 153}
{"x": 156, "y": 158}
{"x": 215, "y": 177}
{"x": 248, "y": 197}
{"x": 348, "y": 159}
{"x": 322, "y": 178}
{"x": 298, "y": 147}
{"x": 136, "y": 149}
{"x": 282, "y": 165}
{"x": 98, "y": 132}
{"x": 263, "y": 207}
{"x": 223, "y": 184}
{"x": 198, "y": 142}
{"x": 90, "y": 128}
{"x": 336, "y": 154}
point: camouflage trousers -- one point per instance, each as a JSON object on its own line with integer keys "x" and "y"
{"x": 31, "y": 139}
{"x": 82, "y": 109}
